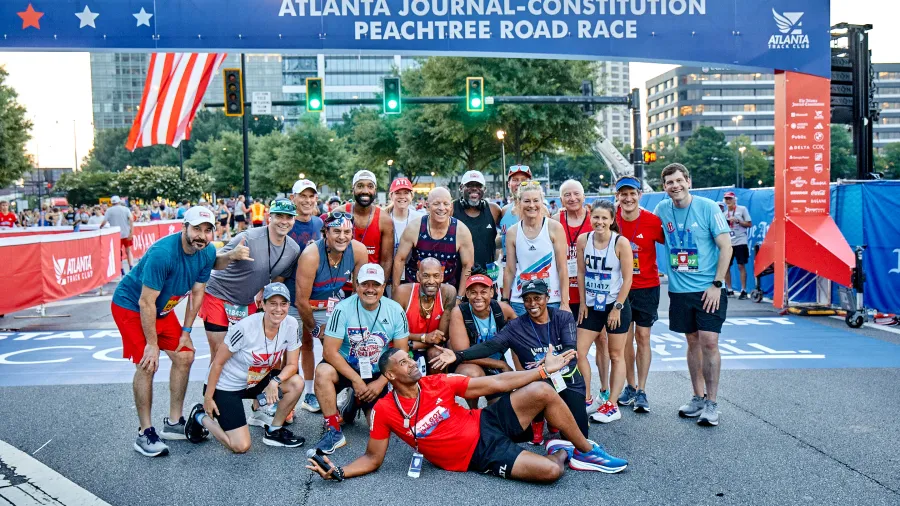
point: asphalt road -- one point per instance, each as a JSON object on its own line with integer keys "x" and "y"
{"x": 789, "y": 434}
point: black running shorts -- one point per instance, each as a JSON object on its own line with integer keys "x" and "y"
{"x": 231, "y": 404}
{"x": 686, "y": 314}
{"x": 596, "y": 320}
{"x": 497, "y": 450}
{"x": 644, "y": 306}
{"x": 740, "y": 254}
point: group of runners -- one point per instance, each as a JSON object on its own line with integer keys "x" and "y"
{"x": 414, "y": 309}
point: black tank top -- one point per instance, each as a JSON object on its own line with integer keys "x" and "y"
{"x": 483, "y": 229}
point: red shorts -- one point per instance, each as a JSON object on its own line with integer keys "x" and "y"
{"x": 127, "y": 243}
{"x": 168, "y": 332}
{"x": 213, "y": 310}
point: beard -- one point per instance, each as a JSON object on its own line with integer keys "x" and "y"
{"x": 364, "y": 199}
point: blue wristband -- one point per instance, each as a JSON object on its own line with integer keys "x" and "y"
{"x": 186, "y": 329}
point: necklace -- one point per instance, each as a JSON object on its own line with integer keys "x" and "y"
{"x": 426, "y": 311}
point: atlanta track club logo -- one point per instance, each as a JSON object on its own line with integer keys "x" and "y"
{"x": 790, "y": 34}
{"x": 70, "y": 270}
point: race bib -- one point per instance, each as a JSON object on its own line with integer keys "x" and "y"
{"x": 171, "y": 303}
{"x": 329, "y": 308}
{"x": 684, "y": 260}
{"x": 235, "y": 313}
{"x": 635, "y": 262}
{"x": 572, "y": 265}
{"x": 256, "y": 373}
{"x": 598, "y": 284}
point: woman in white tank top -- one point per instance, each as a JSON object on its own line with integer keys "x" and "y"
{"x": 604, "y": 280}
{"x": 533, "y": 247}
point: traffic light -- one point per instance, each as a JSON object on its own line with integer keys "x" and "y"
{"x": 315, "y": 95}
{"x": 649, "y": 156}
{"x": 587, "y": 90}
{"x": 392, "y": 95}
{"x": 475, "y": 94}
{"x": 234, "y": 92}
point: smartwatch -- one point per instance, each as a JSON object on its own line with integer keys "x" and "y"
{"x": 276, "y": 379}
{"x": 186, "y": 329}
{"x": 618, "y": 305}
{"x": 717, "y": 284}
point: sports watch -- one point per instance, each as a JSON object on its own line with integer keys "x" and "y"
{"x": 717, "y": 284}
{"x": 618, "y": 305}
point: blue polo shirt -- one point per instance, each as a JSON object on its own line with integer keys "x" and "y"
{"x": 692, "y": 231}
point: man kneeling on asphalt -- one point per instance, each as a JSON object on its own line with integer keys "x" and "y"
{"x": 423, "y": 412}
{"x": 244, "y": 368}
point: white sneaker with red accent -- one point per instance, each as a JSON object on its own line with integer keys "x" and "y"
{"x": 607, "y": 413}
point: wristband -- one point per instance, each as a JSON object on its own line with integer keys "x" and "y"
{"x": 276, "y": 379}
{"x": 186, "y": 329}
{"x": 338, "y": 473}
{"x": 543, "y": 372}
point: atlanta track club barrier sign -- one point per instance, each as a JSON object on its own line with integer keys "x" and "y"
{"x": 772, "y": 34}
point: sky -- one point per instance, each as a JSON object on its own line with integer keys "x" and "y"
{"x": 55, "y": 88}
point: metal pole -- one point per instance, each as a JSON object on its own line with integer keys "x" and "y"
{"x": 638, "y": 162}
{"x": 245, "y": 127}
{"x": 737, "y": 170}
{"x": 742, "y": 170}
{"x": 503, "y": 169}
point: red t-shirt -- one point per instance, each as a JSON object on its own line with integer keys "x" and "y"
{"x": 447, "y": 432}
{"x": 572, "y": 234}
{"x": 643, "y": 233}
{"x": 8, "y": 220}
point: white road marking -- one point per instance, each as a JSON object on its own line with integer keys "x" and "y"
{"x": 44, "y": 485}
{"x": 42, "y": 446}
{"x": 749, "y": 357}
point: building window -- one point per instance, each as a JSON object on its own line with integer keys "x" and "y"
{"x": 749, "y": 107}
{"x": 888, "y": 90}
{"x": 889, "y": 75}
{"x": 712, "y": 93}
{"x": 686, "y": 110}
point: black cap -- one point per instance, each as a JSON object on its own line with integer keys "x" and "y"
{"x": 535, "y": 286}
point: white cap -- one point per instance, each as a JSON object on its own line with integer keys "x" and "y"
{"x": 115, "y": 199}
{"x": 473, "y": 176}
{"x": 370, "y": 272}
{"x": 197, "y": 215}
{"x": 303, "y": 184}
{"x": 364, "y": 175}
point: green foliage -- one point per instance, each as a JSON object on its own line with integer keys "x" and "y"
{"x": 843, "y": 160}
{"x": 109, "y": 153}
{"x": 222, "y": 159}
{"x": 756, "y": 166}
{"x": 148, "y": 183}
{"x": 318, "y": 153}
{"x": 14, "y": 133}
{"x": 708, "y": 158}
{"x": 888, "y": 162}
{"x": 587, "y": 169}
{"x": 667, "y": 151}
{"x": 85, "y": 187}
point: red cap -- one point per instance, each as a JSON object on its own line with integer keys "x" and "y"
{"x": 730, "y": 195}
{"x": 401, "y": 183}
{"x": 479, "y": 278}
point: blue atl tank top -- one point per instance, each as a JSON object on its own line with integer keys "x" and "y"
{"x": 329, "y": 280}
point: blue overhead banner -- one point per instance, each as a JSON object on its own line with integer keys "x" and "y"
{"x": 774, "y": 34}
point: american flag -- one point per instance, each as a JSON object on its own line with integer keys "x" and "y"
{"x": 175, "y": 86}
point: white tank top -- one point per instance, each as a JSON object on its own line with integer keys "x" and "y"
{"x": 602, "y": 273}
{"x": 535, "y": 260}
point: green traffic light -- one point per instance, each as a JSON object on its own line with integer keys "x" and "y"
{"x": 392, "y": 104}
{"x": 476, "y": 103}
{"x": 314, "y": 103}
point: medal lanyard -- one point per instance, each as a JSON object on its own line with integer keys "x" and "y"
{"x": 683, "y": 229}
{"x": 538, "y": 335}
{"x": 376, "y": 314}
{"x": 269, "y": 253}
{"x": 413, "y": 412}
{"x": 568, "y": 236}
{"x": 637, "y": 225}
{"x": 366, "y": 230}
{"x": 487, "y": 331}
{"x": 330, "y": 269}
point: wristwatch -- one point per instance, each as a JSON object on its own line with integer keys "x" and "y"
{"x": 276, "y": 379}
{"x": 618, "y": 305}
{"x": 717, "y": 284}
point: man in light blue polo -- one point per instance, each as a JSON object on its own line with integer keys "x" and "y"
{"x": 699, "y": 249}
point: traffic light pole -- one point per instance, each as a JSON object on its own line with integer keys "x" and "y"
{"x": 634, "y": 102}
{"x": 245, "y": 121}
{"x": 535, "y": 99}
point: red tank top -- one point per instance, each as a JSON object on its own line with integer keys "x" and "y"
{"x": 371, "y": 235}
{"x": 417, "y": 323}
{"x": 572, "y": 234}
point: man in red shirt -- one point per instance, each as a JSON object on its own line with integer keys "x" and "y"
{"x": 644, "y": 230}
{"x": 7, "y": 219}
{"x": 422, "y": 411}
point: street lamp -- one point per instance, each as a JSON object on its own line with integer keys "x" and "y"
{"x": 739, "y": 173}
{"x": 737, "y": 119}
{"x": 390, "y": 164}
{"x": 759, "y": 182}
{"x": 501, "y": 135}
{"x": 302, "y": 175}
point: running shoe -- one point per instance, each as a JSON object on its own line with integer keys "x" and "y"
{"x": 311, "y": 403}
{"x": 282, "y": 437}
{"x": 693, "y": 408}
{"x": 743, "y": 295}
{"x": 331, "y": 441}
{"x": 537, "y": 429}
{"x": 347, "y": 406}
{"x": 149, "y": 444}
{"x": 260, "y": 418}
{"x": 710, "y": 415}
{"x": 193, "y": 430}
{"x": 607, "y": 413}
{"x": 555, "y": 445}
{"x": 597, "y": 460}
{"x": 640, "y": 402}
{"x": 627, "y": 397}
{"x": 591, "y": 405}
{"x": 173, "y": 431}
{"x": 604, "y": 395}
{"x": 729, "y": 293}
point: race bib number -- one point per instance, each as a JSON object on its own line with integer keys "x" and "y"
{"x": 329, "y": 308}
{"x": 235, "y": 313}
{"x": 684, "y": 260}
{"x": 572, "y": 265}
{"x": 598, "y": 285}
{"x": 370, "y": 250}
{"x": 635, "y": 262}
{"x": 256, "y": 373}
{"x": 171, "y": 303}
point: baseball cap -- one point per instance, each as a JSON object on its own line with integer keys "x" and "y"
{"x": 371, "y": 272}
{"x": 535, "y": 286}
{"x": 477, "y": 279}
{"x": 283, "y": 206}
{"x": 197, "y": 215}
{"x": 364, "y": 175}
{"x": 115, "y": 199}
{"x": 276, "y": 289}
{"x": 401, "y": 183}
{"x": 730, "y": 195}
{"x": 473, "y": 176}
{"x": 517, "y": 169}
{"x": 303, "y": 184}
{"x": 628, "y": 182}
{"x": 334, "y": 198}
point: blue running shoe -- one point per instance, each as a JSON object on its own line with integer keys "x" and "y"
{"x": 640, "y": 402}
{"x": 597, "y": 460}
{"x": 311, "y": 403}
{"x": 555, "y": 445}
{"x": 331, "y": 441}
{"x": 627, "y": 397}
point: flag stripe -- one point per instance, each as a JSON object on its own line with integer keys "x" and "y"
{"x": 139, "y": 118}
{"x": 178, "y": 99}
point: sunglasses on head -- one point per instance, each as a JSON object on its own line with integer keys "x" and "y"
{"x": 338, "y": 215}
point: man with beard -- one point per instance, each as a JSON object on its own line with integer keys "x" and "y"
{"x": 307, "y": 229}
{"x": 324, "y": 267}
{"x": 173, "y": 267}
{"x": 427, "y": 305}
{"x": 481, "y": 217}
{"x": 361, "y": 327}
{"x": 371, "y": 227}
{"x": 439, "y": 235}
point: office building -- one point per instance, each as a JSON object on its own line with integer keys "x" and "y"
{"x": 887, "y": 94}
{"x": 613, "y": 79}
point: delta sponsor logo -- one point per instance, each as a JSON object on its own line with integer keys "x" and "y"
{"x": 790, "y": 34}
{"x": 73, "y": 269}
{"x": 799, "y": 192}
{"x": 800, "y": 147}
{"x": 818, "y": 182}
{"x": 817, "y": 193}
{"x": 799, "y": 182}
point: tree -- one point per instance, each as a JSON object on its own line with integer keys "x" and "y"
{"x": 266, "y": 179}
{"x": 222, "y": 159}
{"x": 843, "y": 160}
{"x": 667, "y": 151}
{"x": 14, "y": 133}
{"x": 109, "y": 153}
{"x": 756, "y": 166}
{"x": 708, "y": 158}
{"x": 317, "y": 152}
{"x": 148, "y": 183}
{"x": 888, "y": 162}
{"x": 590, "y": 170}
{"x": 84, "y": 187}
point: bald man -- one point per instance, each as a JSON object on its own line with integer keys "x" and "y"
{"x": 438, "y": 235}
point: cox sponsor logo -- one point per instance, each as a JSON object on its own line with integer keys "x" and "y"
{"x": 820, "y": 147}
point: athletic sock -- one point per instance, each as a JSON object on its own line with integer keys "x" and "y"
{"x": 309, "y": 386}
{"x": 199, "y": 418}
{"x": 273, "y": 428}
{"x": 333, "y": 421}
{"x": 169, "y": 420}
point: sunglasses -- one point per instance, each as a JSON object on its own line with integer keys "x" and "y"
{"x": 526, "y": 184}
{"x": 338, "y": 215}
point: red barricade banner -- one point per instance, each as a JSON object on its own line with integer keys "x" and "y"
{"x": 145, "y": 234}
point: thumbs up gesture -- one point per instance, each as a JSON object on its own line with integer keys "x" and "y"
{"x": 241, "y": 251}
